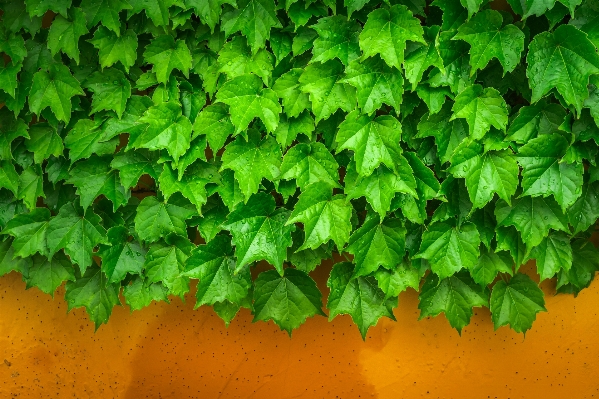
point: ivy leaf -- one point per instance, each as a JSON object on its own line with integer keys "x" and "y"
{"x": 374, "y": 140}
{"x": 254, "y": 19}
{"x": 247, "y": 99}
{"x": 11, "y": 128}
{"x": 323, "y": 83}
{"x": 111, "y": 90}
{"x": 324, "y": 216}
{"x": 544, "y": 173}
{"x": 29, "y": 232}
{"x": 359, "y": 297}
{"x": 377, "y": 243}
{"x": 455, "y": 296}
{"x": 8, "y": 77}
{"x": 64, "y": 34}
{"x": 133, "y": 164}
{"x": 531, "y": 120}
{"x": 105, "y": 12}
{"x": 54, "y": 88}
{"x": 533, "y": 217}
{"x": 585, "y": 262}
{"x": 138, "y": 295}
{"x": 220, "y": 280}
{"x": 449, "y": 248}
{"x": 113, "y": 48}
{"x": 489, "y": 264}
{"x": 208, "y": 10}
{"x": 489, "y": 39}
{"x": 526, "y": 8}
{"x": 585, "y": 211}
{"x": 8, "y": 177}
{"x": 77, "y": 232}
{"x": 486, "y": 173}
{"x": 289, "y": 128}
{"x": 165, "y": 262}
{"x": 386, "y": 32}
{"x": 448, "y": 133}
{"x": 252, "y": 160}
{"x": 287, "y": 87}
{"x": 155, "y": 219}
{"x": 121, "y": 256}
{"x": 236, "y": 59}
{"x": 516, "y": 303}
{"x": 287, "y": 300}
{"x": 310, "y": 163}
{"x": 421, "y": 56}
{"x": 337, "y": 38}
{"x": 482, "y": 108}
{"x": 395, "y": 281}
{"x": 214, "y": 122}
{"x": 94, "y": 177}
{"x": 552, "y": 254}
{"x": 376, "y": 84}
{"x": 166, "y": 54}
{"x": 93, "y": 292}
{"x": 156, "y": 10}
{"x": 563, "y": 60}
{"x": 381, "y": 186}
{"x": 454, "y": 14}
{"x": 167, "y": 128}
{"x": 43, "y": 142}
{"x": 31, "y": 186}
{"x": 48, "y": 274}
{"x": 585, "y": 19}
{"x": 259, "y": 232}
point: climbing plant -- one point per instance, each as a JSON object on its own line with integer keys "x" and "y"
{"x": 435, "y": 146}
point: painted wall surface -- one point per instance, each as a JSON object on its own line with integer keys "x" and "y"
{"x": 172, "y": 351}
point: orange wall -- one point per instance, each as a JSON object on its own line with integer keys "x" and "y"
{"x": 172, "y": 351}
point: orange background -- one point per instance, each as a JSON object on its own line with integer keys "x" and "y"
{"x": 172, "y": 351}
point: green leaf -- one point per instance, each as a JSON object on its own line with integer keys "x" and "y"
{"x": 552, "y": 254}
{"x": 165, "y": 262}
{"x": 287, "y": 300}
{"x": 489, "y": 264}
{"x": 381, "y": 186}
{"x": 489, "y": 38}
{"x": 64, "y": 34}
{"x": 94, "y": 177}
{"x": 254, "y": 19}
{"x": 208, "y": 10}
{"x": 155, "y": 219}
{"x": 327, "y": 92}
{"x": 54, "y": 89}
{"x": 585, "y": 211}
{"x": 337, "y": 38}
{"x": 247, "y": 99}
{"x": 220, "y": 280}
{"x": 421, "y": 56}
{"x": 48, "y": 274}
{"x": 76, "y": 232}
{"x": 105, "y": 12}
{"x": 121, "y": 256}
{"x": 374, "y": 140}
{"x": 134, "y": 164}
{"x": 138, "y": 295}
{"x": 31, "y": 186}
{"x": 29, "y": 232}
{"x": 563, "y": 60}
{"x": 8, "y": 264}
{"x": 214, "y": 122}
{"x": 526, "y": 8}
{"x": 542, "y": 117}
{"x": 111, "y": 90}
{"x": 533, "y": 217}
{"x": 113, "y": 48}
{"x": 360, "y": 297}
{"x": 516, "y": 303}
{"x": 8, "y": 177}
{"x": 376, "y": 84}
{"x": 586, "y": 18}
{"x": 544, "y": 173}
{"x": 386, "y": 32}
{"x": 455, "y": 296}
{"x": 377, "y": 243}
{"x": 482, "y": 108}
{"x": 167, "y": 128}
{"x": 93, "y": 292}
{"x": 395, "y": 281}
{"x": 287, "y": 88}
{"x": 236, "y": 59}
{"x": 310, "y": 163}
{"x": 252, "y": 160}
{"x": 156, "y": 10}
{"x": 11, "y": 128}
{"x": 454, "y": 14}
{"x": 8, "y": 78}
{"x": 259, "y": 232}
{"x": 325, "y": 217}
{"x": 289, "y": 128}
{"x": 449, "y": 248}
{"x": 43, "y": 142}
{"x": 166, "y": 54}
{"x": 585, "y": 263}
{"x": 448, "y": 133}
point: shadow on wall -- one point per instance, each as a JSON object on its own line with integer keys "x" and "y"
{"x": 171, "y": 351}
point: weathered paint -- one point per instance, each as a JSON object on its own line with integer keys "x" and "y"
{"x": 172, "y": 351}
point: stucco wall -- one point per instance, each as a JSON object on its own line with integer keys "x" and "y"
{"x": 172, "y": 351}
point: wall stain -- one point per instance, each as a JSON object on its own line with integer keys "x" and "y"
{"x": 171, "y": 351}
